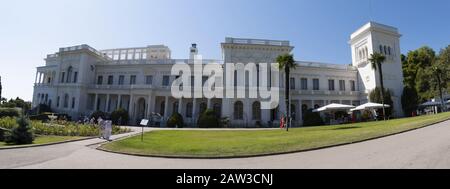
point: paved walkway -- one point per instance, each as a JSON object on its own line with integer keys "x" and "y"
{"x": 423, "y": 148}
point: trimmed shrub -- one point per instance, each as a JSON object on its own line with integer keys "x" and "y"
{"x": 208, "y": 119}
{"x": 9, "y": 112}
{"x": 21, "y": 134}
{"x": 176, "y": 120}
{"x": 119, "y": 116}
{"x": 41, "y": 117}
{"x": 312, "y": 119}
{"x": 98, "y": 114}
{"x": 2, "y": 134}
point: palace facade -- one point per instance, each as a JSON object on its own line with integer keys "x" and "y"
{"x": 79, "y": 80}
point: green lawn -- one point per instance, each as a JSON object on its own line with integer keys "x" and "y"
{"x": 46, "y": 140}
{"x": 242, "y": 143}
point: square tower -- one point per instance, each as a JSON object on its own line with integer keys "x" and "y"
{"x": 375, "y": 37}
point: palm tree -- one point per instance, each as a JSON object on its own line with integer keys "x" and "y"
{"x": 377, "y": 59}
{"x": 286, "y": 62}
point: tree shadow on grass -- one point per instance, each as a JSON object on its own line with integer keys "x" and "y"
{"x": 345, "y": 128}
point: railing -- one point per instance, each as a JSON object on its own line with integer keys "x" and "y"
{"x": 325, "y": 65}
{"x": 256, "y": 41}
{"x": 121, "y": 87}
{"x": 165, "y": 61}
{"x": 81, "y": 47}
{"x": 326, "y": 92}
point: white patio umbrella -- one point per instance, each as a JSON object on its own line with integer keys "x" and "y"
{"x": 369, "y": 106}
{"x": 431, "y": 104}
{"x": 334, "y": 107}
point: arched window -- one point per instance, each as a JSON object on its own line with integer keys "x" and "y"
{"x": 162, "y": 108}
{"x": 304, "y": 110}
{"x": 238, "y": 110}
{"x": 389, "y": 50}
{"x": 293, "y": 111}
{"x": 381, "y": 49}
{"x": 175, "y": 107}
{"x": 189, "y": 108}
{"x": 66, "y": 101}
{"x": 366, "y": 53}
{"x": 385, "y": 50}
{"x": 256, "y": 111}
{"x": 218, "y": 109}
{"x": 69, "y": 74}
{"x": 274, "y": 114}
{"x": 57, "y": 101}
{"x": 203, "y": 107}
{"x": 360, "y": 55}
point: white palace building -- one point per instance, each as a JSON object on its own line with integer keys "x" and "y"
{"x": 79, "y": 80}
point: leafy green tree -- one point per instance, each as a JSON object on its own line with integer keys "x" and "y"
{"x": 286, "y": 62}
{"x": 377, "y": 60}
{"x": 416, "y": 71}
{"x": 410, "y": 100}
{"x": 440, "y": 76}
{"x": 21, "y": 134}
{"x": 17, "y": 103}
{"x": 375, "y": 96}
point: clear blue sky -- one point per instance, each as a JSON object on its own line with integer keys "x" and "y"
{"x": 319, "y": 29}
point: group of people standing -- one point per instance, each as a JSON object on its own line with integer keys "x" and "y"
{"x": 104, "y": 125}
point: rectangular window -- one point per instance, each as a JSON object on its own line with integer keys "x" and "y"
{"x": 63, "y": 74}
{"x": 331, "y": 84}
{"x": 292, "y": 83}
{"x": 316, "y": 84}
{"x": 342, "y": 85}
{"x": 304, "y": 83}
{"x": 110, "y": 80}
{"x": 149, "y": 80}
{"x": 133, "y": 80}
{"x": 165, "y": 81}
{"x": 100, "y": 80}
{"x": 75, "y": 77}
{"x": 57, "y": 101}
{"x": 121, "y": 79}
{"x": 353, "y": 85}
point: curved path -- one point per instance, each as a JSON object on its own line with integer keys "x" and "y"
{"x": 423, "y": 148}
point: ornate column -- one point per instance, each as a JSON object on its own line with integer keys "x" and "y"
{"x": 194, "y": 110}
{"x": 96, "y": 102}
{"x": 166, "y": 107}
{"x": 131, "y": 106}
{"x": 208, "y": 106}
{"x": 149, "y": 111}
{"x": 119, "y": 101}
{"x": 107, "y": 103}
{"x": 35, "y": 79}
{"x": 180, "y": 103}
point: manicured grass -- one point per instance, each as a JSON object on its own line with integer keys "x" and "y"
{"x": 196, "y": 143}
{"x": 45, "y": 140}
